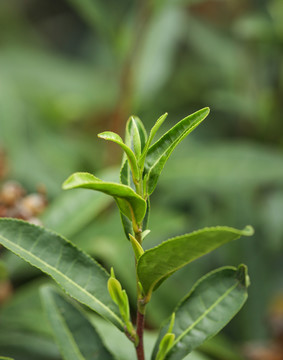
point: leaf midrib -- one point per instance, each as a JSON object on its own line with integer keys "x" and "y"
{"x": 207, "y": 311}
{"x": 65, "y": 277}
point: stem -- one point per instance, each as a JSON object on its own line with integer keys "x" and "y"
{"x": 140, "y": 328}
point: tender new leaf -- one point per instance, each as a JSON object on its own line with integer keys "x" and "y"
{"x": 160, "y": 151}
{"x": 162, "y": 261}
{"x": 129, "y": 202}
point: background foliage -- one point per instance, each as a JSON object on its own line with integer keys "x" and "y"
{"x": 70, "y": 69}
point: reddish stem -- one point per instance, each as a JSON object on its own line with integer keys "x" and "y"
{"x": 140, "y": 327}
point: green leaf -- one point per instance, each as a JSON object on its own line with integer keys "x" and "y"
{"x": 25, "y": 345}
{"x": 158, "y": 263}
{"x": 136, "y": 138}
{"x": 128, "y": 201}
{"x": 212, "y": 303}
{"x": 76, "y": 272}
{"x": 111, "y": 136}
{"x": 74, "y": 333}
{"x": 133, "y": 124}
{"x": 5, "y": 358}
{"x": 161, "y": 150}
{"x": 152, "y": 133}
{"x": 72, "y": 211}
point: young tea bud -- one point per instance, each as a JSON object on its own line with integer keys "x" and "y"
{"x": 115, "y": 291}
{"x": 120, "y": 297}
{"x": 138, "y": 250}
{"x": 165, "y": 345}
{"x": 136, "y": 138}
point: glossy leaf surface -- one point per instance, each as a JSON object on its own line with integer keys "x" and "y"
{"x": 127, "y": 199}
{"x": 160, "y": 151}
{"x": 132, "y": 124}
{"x": 76, "y": 272}
{"x": 158, "y": 263}
{"x": 111, "y": 136}
{"x": 152, "y": 133}
{"x": 75, "y": 335}
{"x": 212, "y": 303}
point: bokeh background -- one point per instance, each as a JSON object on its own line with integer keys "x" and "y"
{"x": 72, "y": 68}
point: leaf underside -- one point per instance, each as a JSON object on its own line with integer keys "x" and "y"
{"x": 72, "y": 329}
{"x": 212, "y": 303}
{"x": 158, "y": 263}
{"x": 76, "y": 272}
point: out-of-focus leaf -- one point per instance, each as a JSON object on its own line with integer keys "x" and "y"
{"x": 158, "y": 263}
{"x": 81, "y": 276}
{"x": 212, "y": 303}
{"x": 23, "y": 312}
{"x": 118, "y": 343}
{"x": 69, "y": 89}
{"x": 221, "y": 348}
{"x": 160, "y": 151}
{"x": 222, "y": 168}
{"x": 129, "y": 202}
{"x": 27, "y": 346}
{"x": 160, "y": 50}
{"x": 75, "y": 335}
{"x": 93, "y": 12}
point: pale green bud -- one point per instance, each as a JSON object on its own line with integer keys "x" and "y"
{"x": 138, "y": 250}
{"x": 165, "y": 345}
{"x": 115, "y": 291}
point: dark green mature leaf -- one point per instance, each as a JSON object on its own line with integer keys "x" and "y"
{"x": 212, "y": 303}
{"x": 129, "y": 202}
{"x": 74, "y": 333}
{"x": 161, "y": 150}
{"x": 158, "y": 263}
{"x": 76, "y": 272}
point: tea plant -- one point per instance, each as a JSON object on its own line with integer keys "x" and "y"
{"x": 207, "y": 308}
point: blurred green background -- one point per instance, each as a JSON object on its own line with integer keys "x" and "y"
{"x": 72, "y": 68}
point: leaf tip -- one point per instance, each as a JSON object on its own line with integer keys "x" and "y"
{"x": 101, "y": 135}
{"x": 243, "y": 276}
{"x": 248, "y": 230}
{"x": 66, "y": 184}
